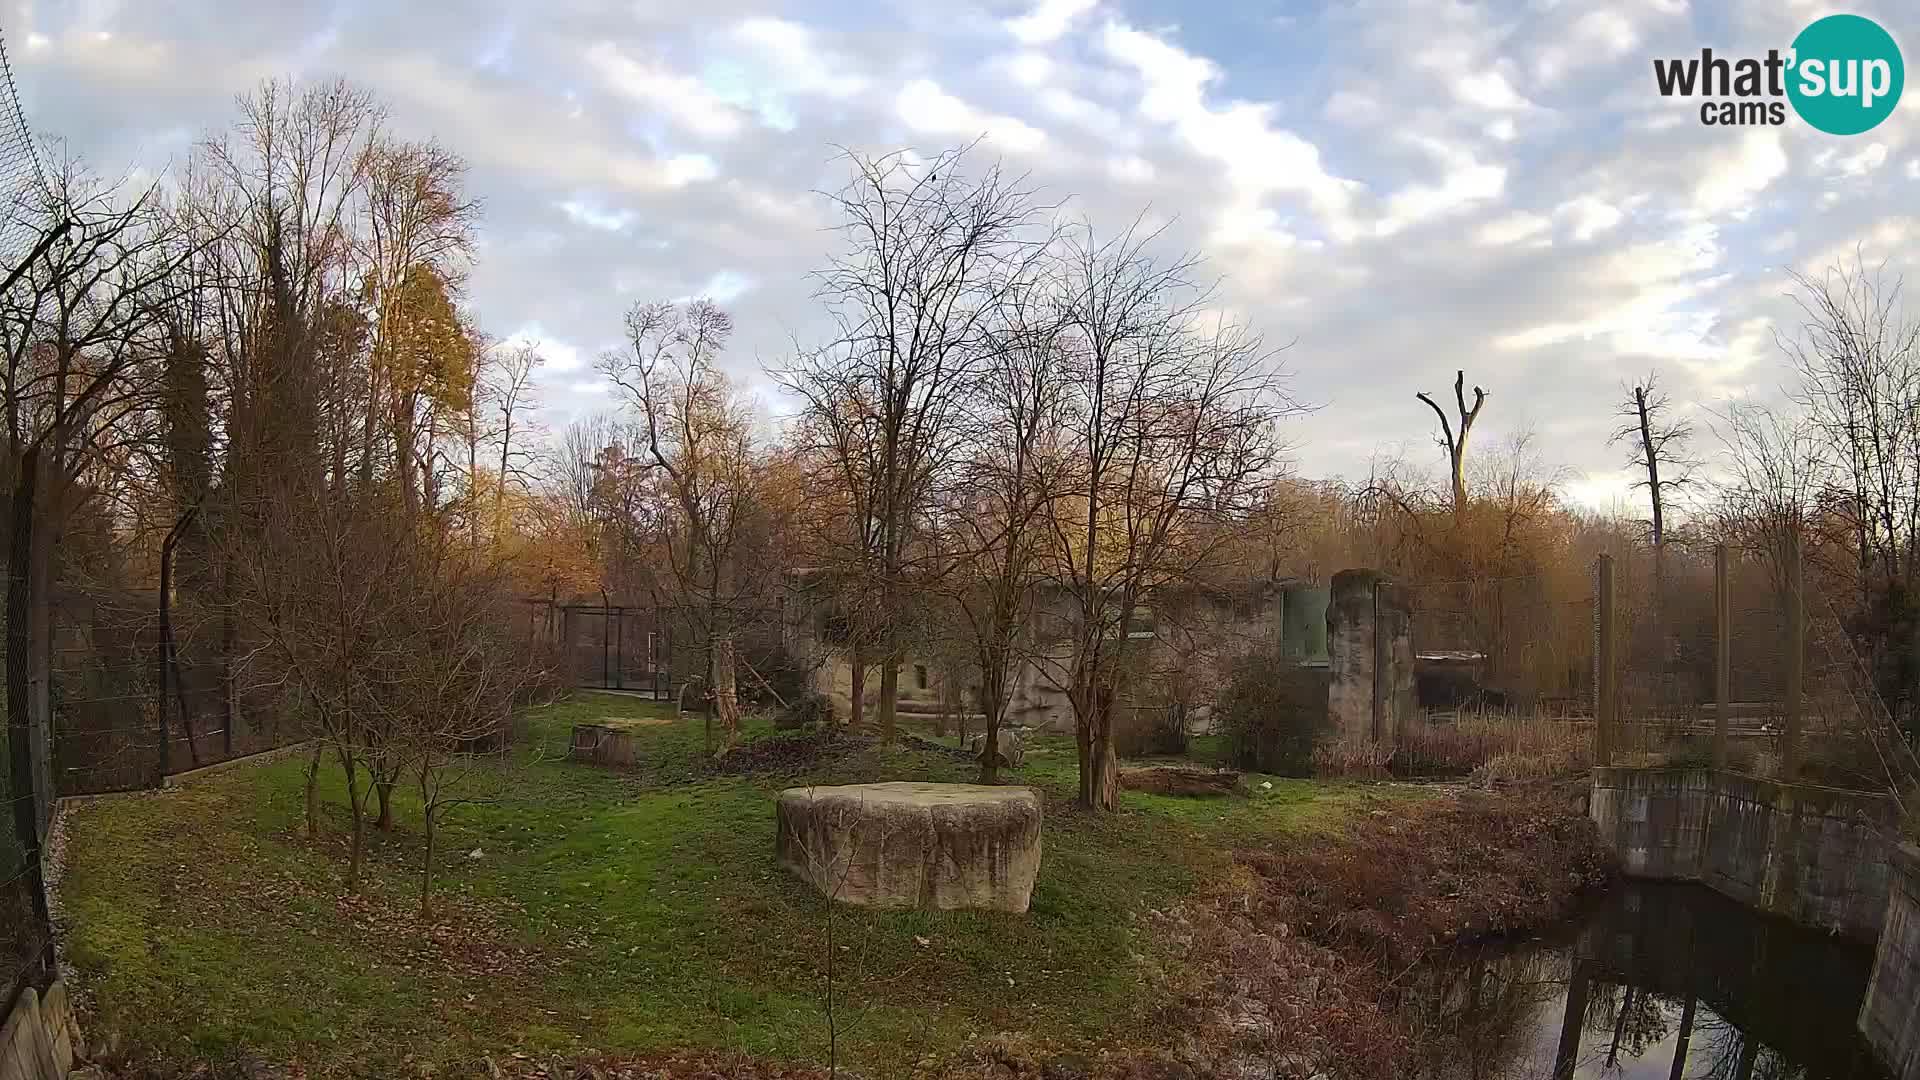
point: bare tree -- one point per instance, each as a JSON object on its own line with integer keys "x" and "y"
{"x": 1166, "y": 425}
{"x": 1660, "y": 444}
{"x": 698, "y": 434}
{"x": 1773, "y": 482}
{"x": 931, "y": 247}
{"x": 1456, "y": 444}
{"x": 1856, "y": 358}
{"x": 994, "y": 514}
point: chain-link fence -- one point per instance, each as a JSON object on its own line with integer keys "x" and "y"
{"x": 114, "y": 730}
{"x": 1731, "y": 656}
{"x": 1513, "y": 643}
{"x": 648, "y": 649}
{"x": 25, "y": 931}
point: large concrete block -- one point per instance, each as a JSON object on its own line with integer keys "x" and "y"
{"x": 25, "y": 1053}
{"x": 913, "y": 845}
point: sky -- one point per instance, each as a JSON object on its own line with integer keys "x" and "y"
{"x": 1397, "y": 189}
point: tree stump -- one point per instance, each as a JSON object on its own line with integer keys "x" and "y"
{"x": 938, "y": 846}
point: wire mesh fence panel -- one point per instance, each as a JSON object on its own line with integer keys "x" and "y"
{"x": 1665, "y": 627}
{"x": 1511, "y": 643}
{"x": 112, "y": 731}
{"x": 23, "y": 935}
{"x": 24, "y": 931}
{"x": 23, "y": 184}
{"x": 1799, "y": 702}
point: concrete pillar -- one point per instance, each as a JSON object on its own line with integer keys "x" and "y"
{"x": 1370, "y": 656}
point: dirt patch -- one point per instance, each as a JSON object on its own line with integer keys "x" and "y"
{"x": 1181, "y": 780}
{"x": 630, "y": 723}
{"x": 789, "y": 753}
{"x": 959, "y": 753}
{"x": 690, "y": 1065}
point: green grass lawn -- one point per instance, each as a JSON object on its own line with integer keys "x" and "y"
{"x": 581, "y": 909}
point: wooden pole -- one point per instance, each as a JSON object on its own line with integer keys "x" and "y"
{"x": 1796, "y": 650}
{"x": 1722, "y": 654}
{"x": 1606, "y": 652}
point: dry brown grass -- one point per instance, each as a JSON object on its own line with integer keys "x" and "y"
{"x": 1489, "y": 747}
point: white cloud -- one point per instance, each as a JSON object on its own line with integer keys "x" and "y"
{"x": 559, "y": 355}
{"x": 1131, "y": 169}
{"x": 1048, "y": 20}
{"x": 1640, "y": 300}
{"x": 792, "y": 60}
{"x": 1352, "y": 107}
{"x": 1260, "y": 159}
{"x": 924, "y": 107}
{"x": 1599, "y": 36}
{"x": 1488, "y": 89}
{"x": 1515, "y": 229}
{"x": 724, "y": 287}
{"x": 1466, "y": 180}
{"x": 1588, "y": 216}
{"x": 595, "y": 216}
{"x": 1733, "y": 178}
{"x": 1864, "y": 160}
{"x": 1029, "y": 68}
{"x": 683, "y": 99}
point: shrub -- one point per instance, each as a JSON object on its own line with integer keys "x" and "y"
{"x": 1167, "y": 731}
{"x": 783, "y": 672}
{"x": 1273, "y": 713}
{"x": 805, "y": 709}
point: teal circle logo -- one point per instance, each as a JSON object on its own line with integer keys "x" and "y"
{"x": 1845, "y": 75}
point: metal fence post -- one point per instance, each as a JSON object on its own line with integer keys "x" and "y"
{"x": 1606, "y": 655}
{"x": 1722, "y": 655}
{"x": 1796, "y": 649}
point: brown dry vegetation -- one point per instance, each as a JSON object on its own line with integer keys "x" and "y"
{"x": 1489, "y": 747}
{"x": 1291, "y": 965}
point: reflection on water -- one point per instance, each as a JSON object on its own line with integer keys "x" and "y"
{"x": 1655, "y": 981}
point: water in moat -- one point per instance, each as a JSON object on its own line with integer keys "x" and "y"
{"x": 1654, "y": 982}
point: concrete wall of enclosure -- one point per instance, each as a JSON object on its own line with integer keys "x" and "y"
{"x": 1890, "y": 1015}
{"x": 1815, "y": 855}
{"x": 1820, "y": 856}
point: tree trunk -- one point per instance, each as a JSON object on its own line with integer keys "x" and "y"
{"x": 1103, "y": 781}
{"x": 889, "y": 696}
{"x": 857, "y": 689}
{"x": 426, "y": 865}
{"x": 1083, "y": 742}
{"x": 357, "y": 806}
{"x": 383, "y": 790}
{"x": 726, "y": 694}
{"x": 313, "y": 791}
{"x": 230, "y": 712}
{"x": 992, "y": 698}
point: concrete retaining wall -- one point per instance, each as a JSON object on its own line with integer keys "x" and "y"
{"x": 1890, "y": 1015}
{"x": 1815, "y": 855}
{"x": 37, "y": 1040}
